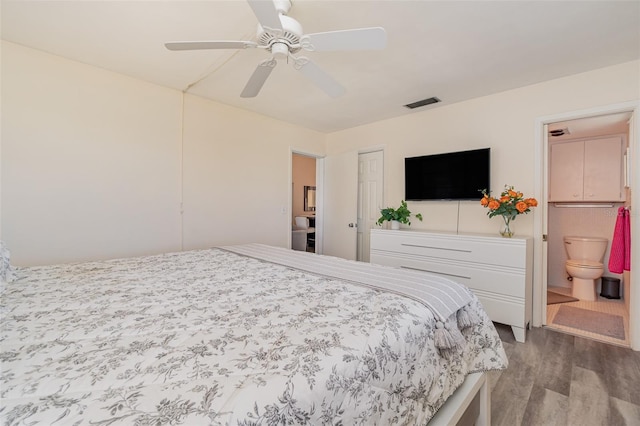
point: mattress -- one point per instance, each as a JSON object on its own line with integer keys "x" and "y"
{"x": 243, "y": 335}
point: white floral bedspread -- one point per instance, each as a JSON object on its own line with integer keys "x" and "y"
{"x": 213, "y": 337}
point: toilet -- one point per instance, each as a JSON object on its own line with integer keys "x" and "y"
{"x": 584, "y": 264}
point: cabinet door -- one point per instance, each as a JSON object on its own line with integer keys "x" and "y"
{"x": 566, "y": 170}
{"x": 603, "y": 169}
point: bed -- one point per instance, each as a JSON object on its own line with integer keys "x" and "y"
{"x": 239, "y": 335}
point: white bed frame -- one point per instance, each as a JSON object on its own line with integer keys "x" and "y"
{"x": 470, "y": 404}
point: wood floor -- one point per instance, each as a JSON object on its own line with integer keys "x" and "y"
{"x": 560, "y": 379}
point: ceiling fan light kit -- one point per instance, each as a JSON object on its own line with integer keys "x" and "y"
{"x": 280, "y": 50}
{"x": 283, "y": 36}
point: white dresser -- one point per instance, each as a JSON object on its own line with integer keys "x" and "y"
{"x": 498, "y": 270}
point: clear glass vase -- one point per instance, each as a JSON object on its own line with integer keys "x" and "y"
{"x": 506, "y": 228}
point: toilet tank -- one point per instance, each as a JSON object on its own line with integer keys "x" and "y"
{"x": 586, "y": 248}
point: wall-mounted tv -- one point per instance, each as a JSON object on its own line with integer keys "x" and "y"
{"x": 450, "y": 176}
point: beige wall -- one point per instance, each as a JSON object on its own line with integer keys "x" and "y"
{"x": 90, "y": 161}
{"x": 237, "y": 175}
{"x": 503, "y": 121}
{"x": 94, "y": 165}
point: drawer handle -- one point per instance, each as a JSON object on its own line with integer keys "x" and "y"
{"x": 435, "y": 272}
{"x": 437, "y": 248}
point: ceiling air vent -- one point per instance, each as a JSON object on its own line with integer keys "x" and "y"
{"x": 559, "y": 132}
{"x": 423, "y": 102}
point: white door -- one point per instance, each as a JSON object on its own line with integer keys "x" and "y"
{"x": 370, "y": 185}
{"x": 340, "y": 205}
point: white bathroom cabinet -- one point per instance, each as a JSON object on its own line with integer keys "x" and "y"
{"x": 498, "y": 270}
{"x": 587, "y": 170}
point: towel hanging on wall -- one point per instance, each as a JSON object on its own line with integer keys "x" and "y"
{"x": 627, "y": 240}
{"x": 620, "y": 257}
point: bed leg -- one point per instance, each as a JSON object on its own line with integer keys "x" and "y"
{"x": 484, "y": 417}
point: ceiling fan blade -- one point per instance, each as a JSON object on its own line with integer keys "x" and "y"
{"x": 200, "y": 45}
{"x": 355, "y": 39}
{"x": 257, "y": 79}
{"x": 266, "y": 12}
{"x": 320, "y": 78}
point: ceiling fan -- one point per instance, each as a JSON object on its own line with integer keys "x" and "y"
{"x": 282, "y": 36}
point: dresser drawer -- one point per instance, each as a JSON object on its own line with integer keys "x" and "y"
{"x": 485, "y": 250}
{"x": 479, "y": 278}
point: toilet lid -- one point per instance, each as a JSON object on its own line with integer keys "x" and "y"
{"x": 590, "y": 264}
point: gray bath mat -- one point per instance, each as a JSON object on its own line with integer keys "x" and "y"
{"x": 590, "y": 321}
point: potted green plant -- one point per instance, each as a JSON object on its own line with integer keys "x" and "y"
{"x": 397, "y": 216}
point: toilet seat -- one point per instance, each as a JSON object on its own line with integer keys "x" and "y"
{"x": 585, "y": 264}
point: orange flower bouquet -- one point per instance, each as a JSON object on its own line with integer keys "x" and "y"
{"x": 510, "y": 204}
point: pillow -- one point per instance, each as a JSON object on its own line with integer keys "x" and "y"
{"x": 6, "y": 271}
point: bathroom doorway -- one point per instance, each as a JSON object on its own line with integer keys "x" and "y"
{"x": 573, "y": 214}
{"x": 305, "y": 222}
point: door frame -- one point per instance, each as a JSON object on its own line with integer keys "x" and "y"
{"x": 541, "y": 190}
{"x": 319, "y": 196}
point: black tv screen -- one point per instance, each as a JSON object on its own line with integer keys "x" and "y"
{"x": 449, "y": 176}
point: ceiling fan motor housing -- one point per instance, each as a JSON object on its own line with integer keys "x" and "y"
{"x": 282, "y": 6}
{"x": 290, "y": 35}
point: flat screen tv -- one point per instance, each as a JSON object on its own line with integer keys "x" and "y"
{"x": 449, "y": 176}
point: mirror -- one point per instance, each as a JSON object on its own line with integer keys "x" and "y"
{"x": 309, "y": 198}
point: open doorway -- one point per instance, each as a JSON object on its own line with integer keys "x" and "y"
{"x": 587, "y": 158}
{"x": 559, "y": 219}
{"x": 303, "y": 202}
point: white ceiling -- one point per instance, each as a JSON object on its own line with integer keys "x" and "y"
{"x": 601, "y": 125}
{"x": 455, "y": 50}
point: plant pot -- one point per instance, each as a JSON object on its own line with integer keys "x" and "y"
{"x": 395, "y": 224}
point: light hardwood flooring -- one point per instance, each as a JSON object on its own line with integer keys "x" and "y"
{"x": 556, "y": 378}
{"x": 602, "y": 304}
